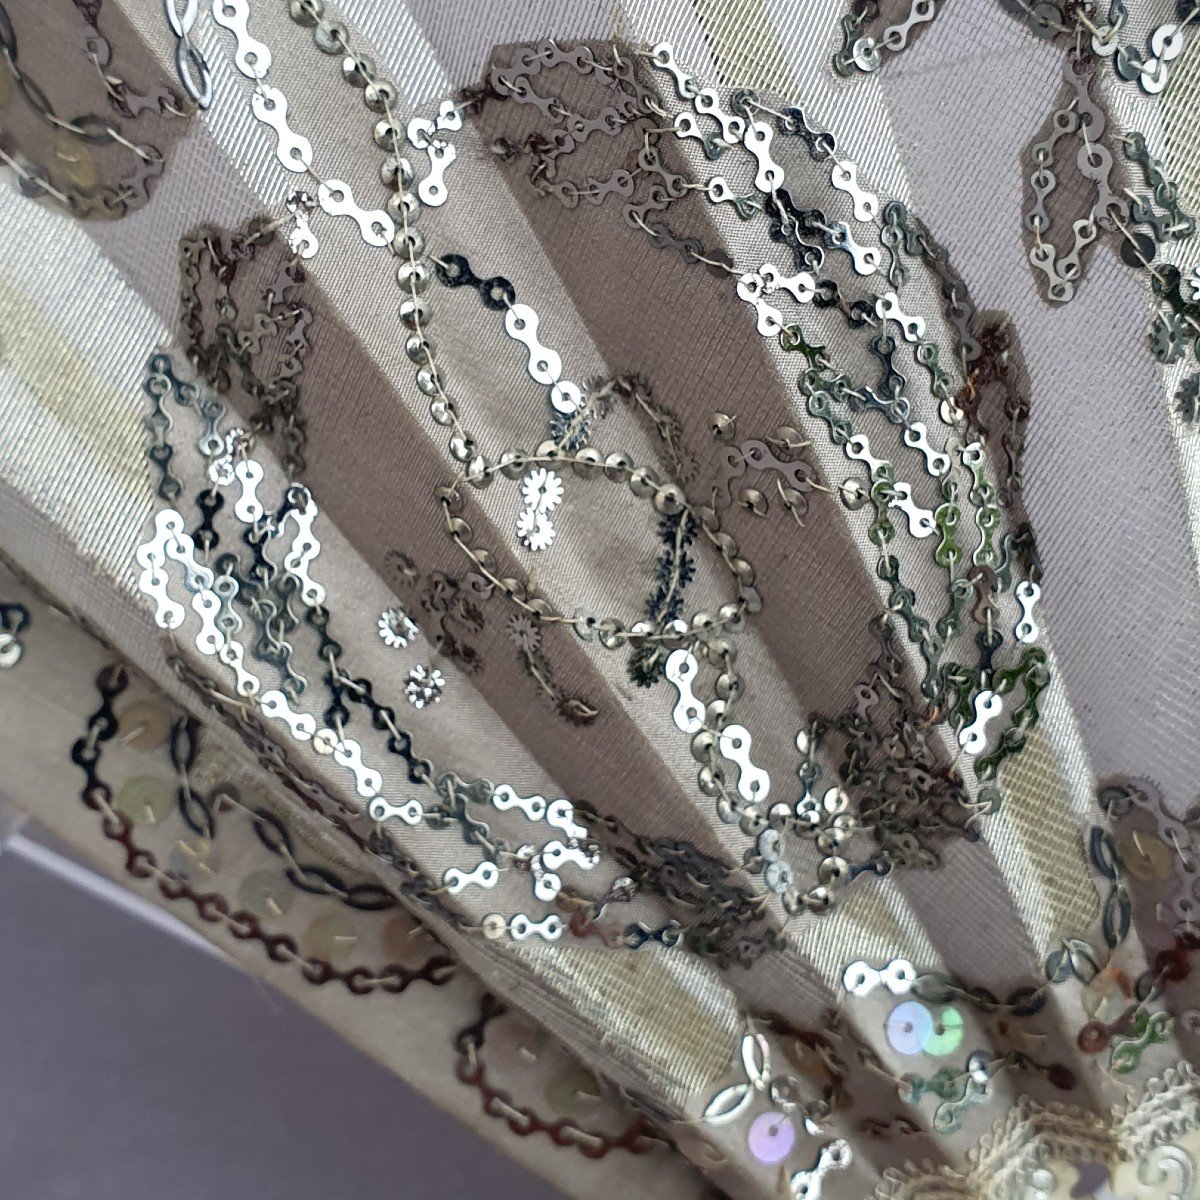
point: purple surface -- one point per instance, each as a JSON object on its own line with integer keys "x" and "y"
{"x": 133, "y": 1067}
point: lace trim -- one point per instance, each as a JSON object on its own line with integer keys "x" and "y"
{"x": 1010, "y": 1163}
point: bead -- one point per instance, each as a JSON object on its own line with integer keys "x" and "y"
{"x": 752, "y": 822}
{"x": 833, "y": 870}
{"x": 306, "y": 12}
{"x": 769, "y": 844}
{"x": 643, "y": 482}
{"x": 414, "y": 313}
{"x": 638, "y": 632}
{"x": 724, "y": 427}
{"x": 357, "y": 70}
{"x": 1145, "y": 855}
{"x": 266, "y": 894}
{"x": 418, "y": 350}
{"x": 395, "y": 172}
{"x": 731, "y": 617}
{"x": 380, "y": 95}
{"x": 403, "y": 205}
{"x": 778, "y": 876}
{"x": 779, "y": 816}
{"x": 513, "y": 463}
{"x": 388, "y": 136}
{"x": 477, "y": 473}
{"x": 587, "y": 463}
{"x": 670, "y": 500}
{"x": 193, "y": 860}
{"x": 853, "y": 493}
{"x": 413, "y": 276}
{"x": 947, "y": 1033}
{"x": 330, "y": 37}
{"x": 909, "y": 1026}
{"x": 728, "y": 686}
{"x": 725, "y": 544}
{"x": 145, "y": 800}
{"x": 584, "y": 623}
{"x": 409, "y": 243}
{"x": 329, "y": 938}
{"x": 771, "y": 1137}
{"x": 143, "y": 725}
{"x": 429, "y": 383}
{"x": 1138, "y": 249}
{"x": 754, "y": 500}
{"x": 617, "y": 466}
{"x": 80, "y": 165}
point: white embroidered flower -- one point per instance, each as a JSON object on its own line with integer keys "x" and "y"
{"x": 220, "y": 470}
{"x": 1191, "y": 285}
{"x": 395, "y": 628}
{"x": 534, "y": 529}
{"x": 425, "y": 686}
{"x": 542, "y": 490}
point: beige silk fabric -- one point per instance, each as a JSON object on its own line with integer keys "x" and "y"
{"x": 1111, "y": 487}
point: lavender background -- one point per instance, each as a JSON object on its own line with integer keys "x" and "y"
{"x": 133, "y": 1067}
